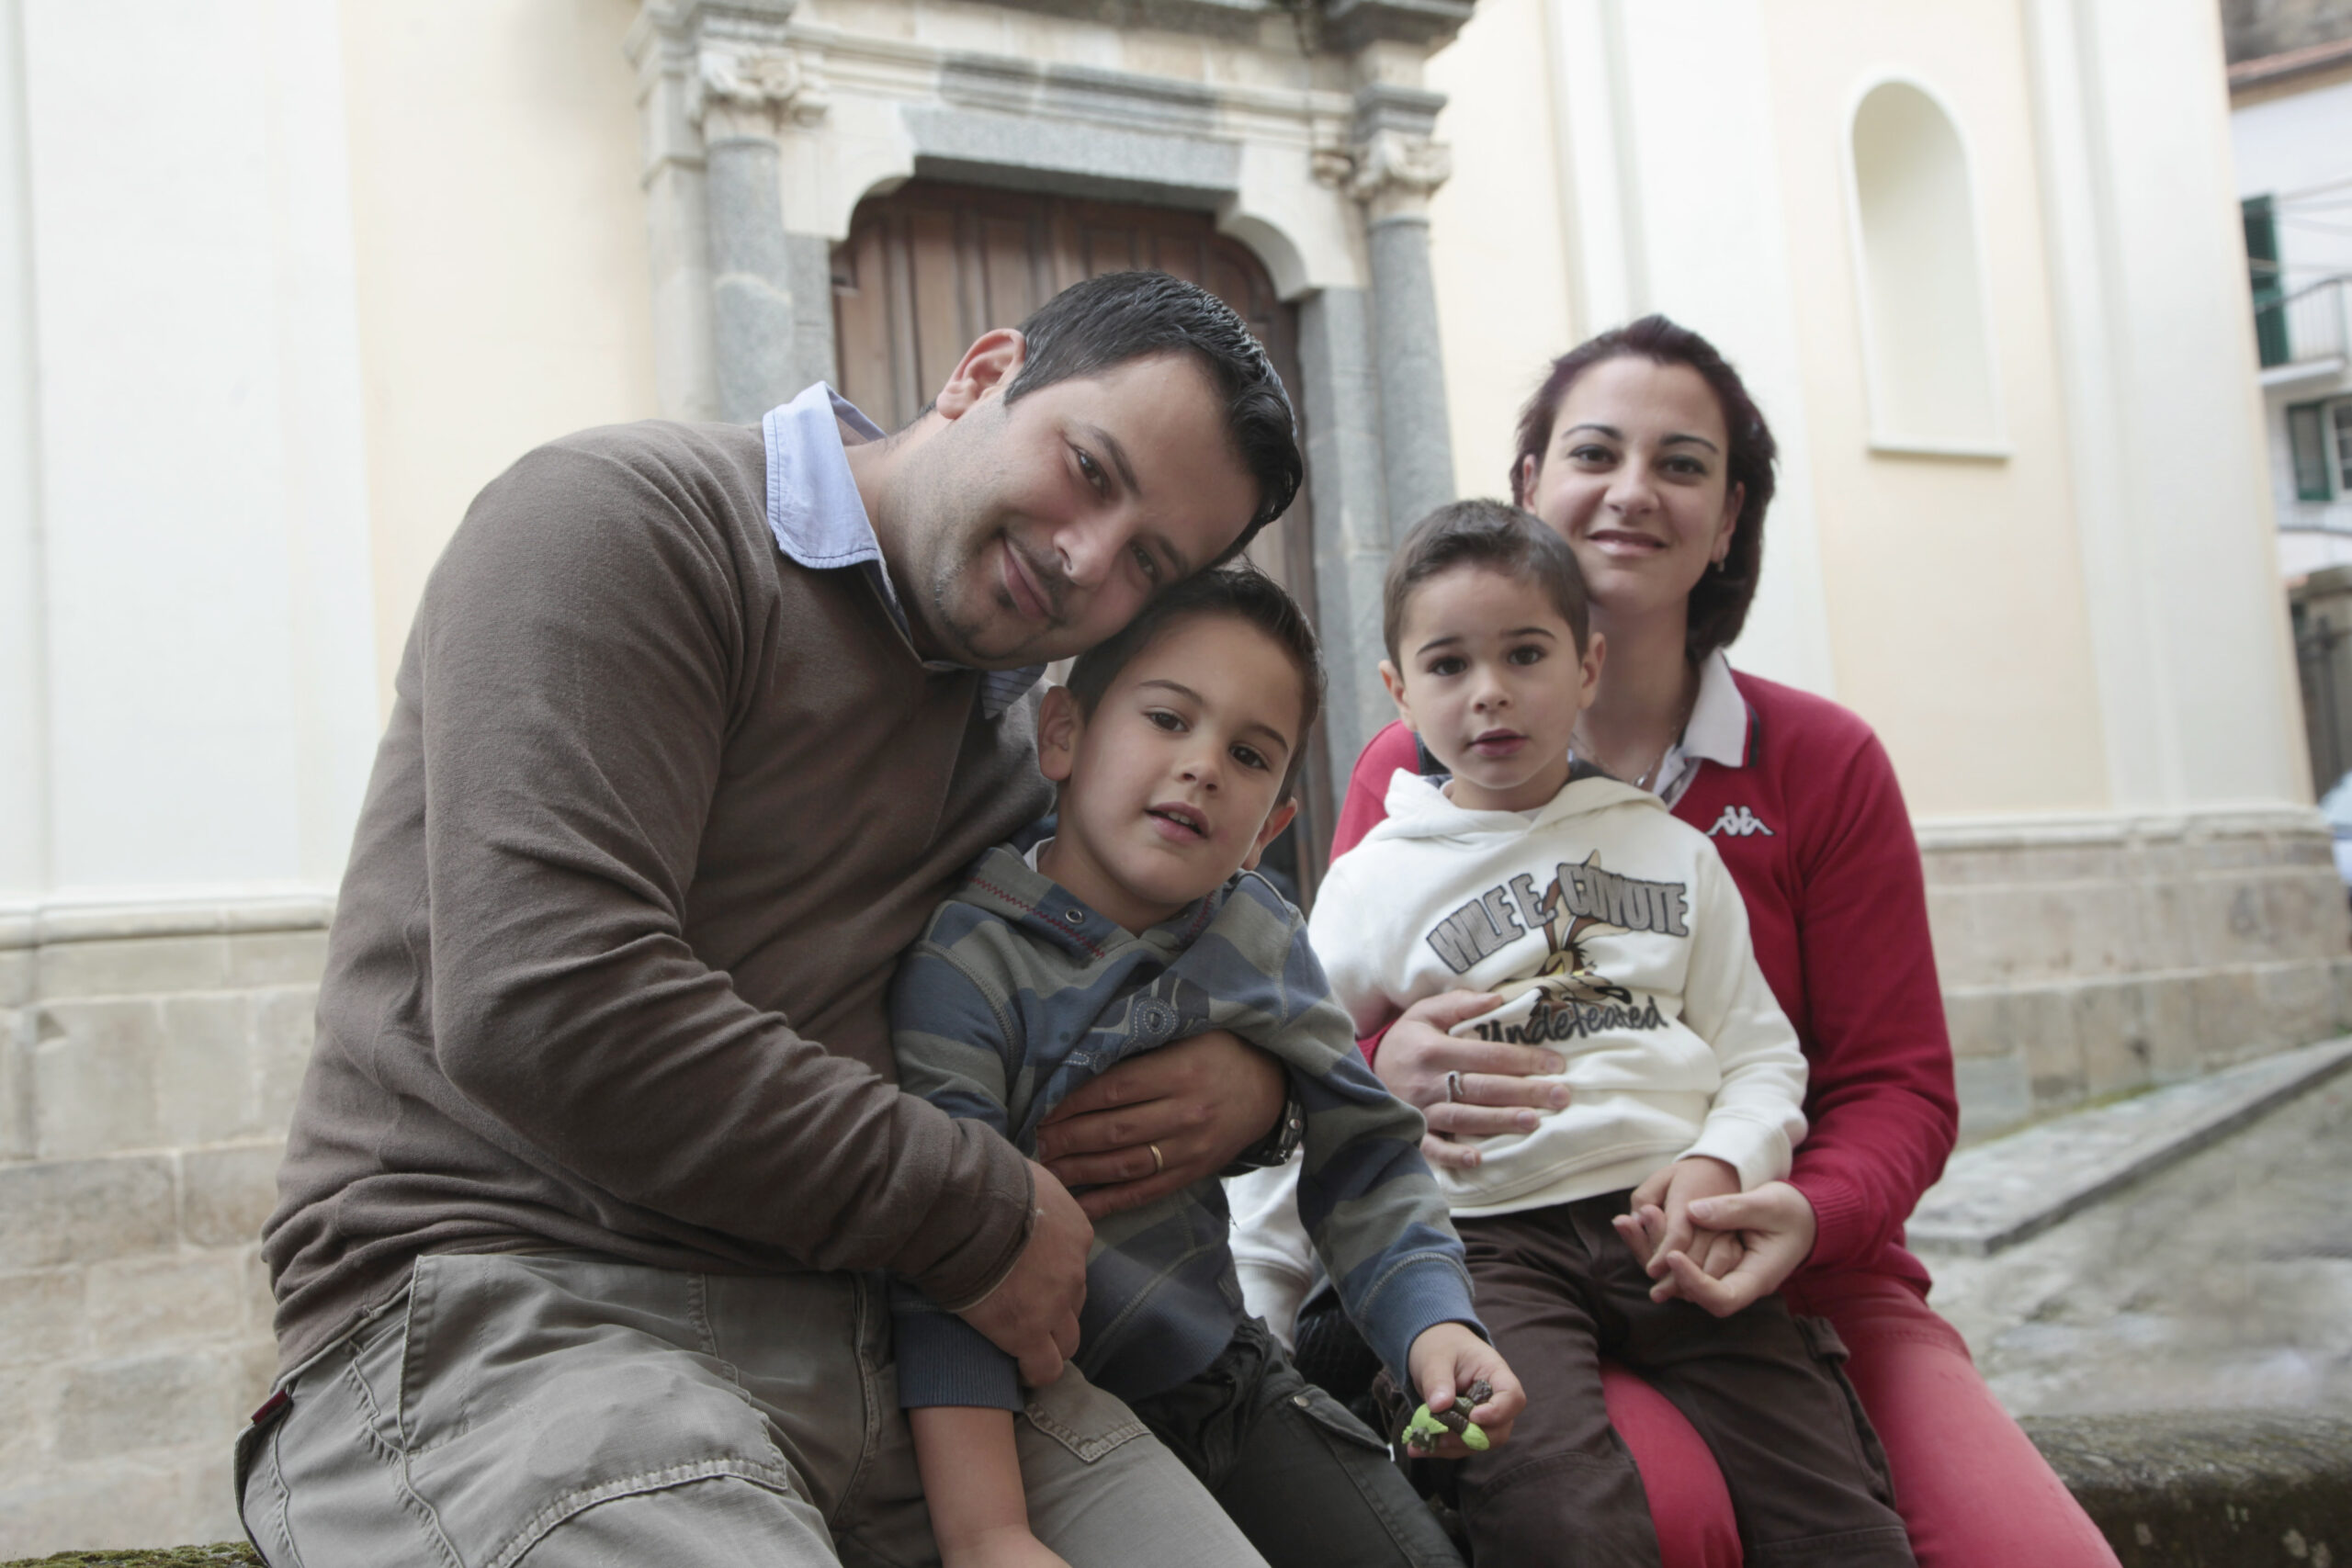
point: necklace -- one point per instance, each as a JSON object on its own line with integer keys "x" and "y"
{"x": 1648, "y": 775}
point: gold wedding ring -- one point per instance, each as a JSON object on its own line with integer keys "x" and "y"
{"x": 1159, "y": 1163}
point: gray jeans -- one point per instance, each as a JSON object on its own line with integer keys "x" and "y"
{"x": 560, "y": 1409}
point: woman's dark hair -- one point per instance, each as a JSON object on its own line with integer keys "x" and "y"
{"x": 1485, "y": 534}
{"x": 1242, "y": 592}
{"x": 1105, "y": 322}
{"x": 1719, "y": 603}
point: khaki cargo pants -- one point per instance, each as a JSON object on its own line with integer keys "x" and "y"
{"x": 560, "y": 1409}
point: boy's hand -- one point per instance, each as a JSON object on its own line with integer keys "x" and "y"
{"x": 1775, "y": 1227}
{"x": 1449, "y": 1357}
{"x": 1659, "y": 1223}
{"x": 1200, "y": 1102}
{"x": 1010, "y": 1548}
{"x": 1031, "y": 1315}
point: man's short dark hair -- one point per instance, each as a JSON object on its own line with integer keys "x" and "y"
{"x": 1239, "y": 590}
{"x": 1493, "y": 536}
{"x": 1105, "y": 322}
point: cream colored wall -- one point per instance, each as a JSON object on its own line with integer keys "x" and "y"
{"x": 503, "y": 274}
{"x": 1955, "y": 587}
{"x": 1498, "y": 238}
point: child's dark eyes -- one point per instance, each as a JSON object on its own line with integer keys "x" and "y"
{"x": 1527, "y": 653}
{"x": 1448, "y": 666}
{"x": 1162, "y": 718}
{"x": 1250, "y": 756}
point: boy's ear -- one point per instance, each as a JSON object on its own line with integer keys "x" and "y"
{"x": 1275, "y": 822}
{"x": 1596, "y": 649}
{"x": 1390, "y": 678}
{"x": 1058, "y": 725}
{"x": 987, "y": 368}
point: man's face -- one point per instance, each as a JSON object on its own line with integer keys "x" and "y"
{"x": 1029, "y": 531}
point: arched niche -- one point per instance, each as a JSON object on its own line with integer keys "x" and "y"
{"x": 1926, "y": 338}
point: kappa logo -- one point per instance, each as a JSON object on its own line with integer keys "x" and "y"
{"x": 1740, "y": 823}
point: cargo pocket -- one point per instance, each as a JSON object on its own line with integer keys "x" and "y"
{"x": 1830, "y": 1354}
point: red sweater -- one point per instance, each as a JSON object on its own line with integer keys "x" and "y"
{"x": 1839, "y": 914}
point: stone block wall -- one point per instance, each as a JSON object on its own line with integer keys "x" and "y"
{"x": 148, "y": 1062}
{"x": 2086, "y": 959}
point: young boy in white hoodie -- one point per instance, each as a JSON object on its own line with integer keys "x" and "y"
{"x": 1619, "y": 942}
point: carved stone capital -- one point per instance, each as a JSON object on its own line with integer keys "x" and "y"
{"x": 735, "y": 82}
{"x": 1386, "y": 159}
{"x": 1393, "y": 168}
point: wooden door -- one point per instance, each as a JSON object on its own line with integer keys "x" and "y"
{"x": 931, "y": 266}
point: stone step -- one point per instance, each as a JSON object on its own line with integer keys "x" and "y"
{"x": 1997, "y": 1193}
{"x": 2209, "y": 1488}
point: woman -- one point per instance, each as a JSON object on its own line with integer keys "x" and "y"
{"x": 1644, "y": 450}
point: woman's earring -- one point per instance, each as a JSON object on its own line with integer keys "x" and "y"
{"x": 1722, "y": 566}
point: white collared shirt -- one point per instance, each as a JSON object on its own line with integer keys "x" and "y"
{"x": 819, "y": 519}
{"x": 1717, "y": 730}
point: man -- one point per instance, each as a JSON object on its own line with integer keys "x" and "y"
{"x": 598, "y": 1158}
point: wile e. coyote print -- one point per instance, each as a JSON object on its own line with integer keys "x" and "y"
{"x": 1569, "y": 996}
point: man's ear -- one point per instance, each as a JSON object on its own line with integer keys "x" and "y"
{"x": 1058, "y": 724}
{"x": 1275, "y": 823}
{"x": 987, "y": 368}
{"x": 1395, "y": 685}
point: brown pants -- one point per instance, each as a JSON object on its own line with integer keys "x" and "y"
{"x": 1558, "y": 1290}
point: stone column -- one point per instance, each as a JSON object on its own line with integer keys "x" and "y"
{"x": 728, "y": 87}
{"x": 1342, "y": 421}
{"x": 1395, "y": 168}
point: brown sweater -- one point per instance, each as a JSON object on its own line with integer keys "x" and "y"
{"x": 657, "y": 810}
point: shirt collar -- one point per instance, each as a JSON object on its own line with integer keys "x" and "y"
{"x": 1718, "y": 726}
{"x": 820, "y": 521}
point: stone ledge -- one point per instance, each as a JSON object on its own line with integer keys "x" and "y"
{"x": 2195, "y": 1489}
{"x": 2210, "y": 1489}
{"x": 2006, "y": 1191}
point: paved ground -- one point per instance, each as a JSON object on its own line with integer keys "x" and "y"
{"x": 2224, "y": 1282}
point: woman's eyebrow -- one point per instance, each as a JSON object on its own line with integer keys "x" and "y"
{"x": 1615, "y": 434}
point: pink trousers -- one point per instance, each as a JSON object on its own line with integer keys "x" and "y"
{"x": 1971, "y": 1487}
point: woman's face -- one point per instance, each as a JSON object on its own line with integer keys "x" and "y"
{"x": 1634, "y": 479}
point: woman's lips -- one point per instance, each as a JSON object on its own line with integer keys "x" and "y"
{"x": 1617, "y": 541}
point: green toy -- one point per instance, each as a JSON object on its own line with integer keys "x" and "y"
{"x": 1422, "y": 1432}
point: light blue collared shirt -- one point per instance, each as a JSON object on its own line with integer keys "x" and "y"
{"x": 819, "y": 519}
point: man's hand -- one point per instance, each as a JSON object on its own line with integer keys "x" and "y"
{"x": 1495, "y": 1085}
{"x": 1031, "y": 1315}
{"x": 1200, "y": 1101}
{"x": 1448, "y": 1357}
{"x": 1775, "y": 1227}
{"x": 1659, "y": 1224}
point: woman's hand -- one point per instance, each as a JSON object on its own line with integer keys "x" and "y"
{"x": 1492, "y": 1088}
{"x": 1775, "y": 1227}
{"x": 1657, "y": 1222}
{"x": 1162, "y": 1121}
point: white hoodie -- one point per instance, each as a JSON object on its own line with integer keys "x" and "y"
{"x": 1619, "y": 941}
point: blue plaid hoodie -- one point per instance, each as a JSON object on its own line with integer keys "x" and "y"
{"x": 1018, "y": 994}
